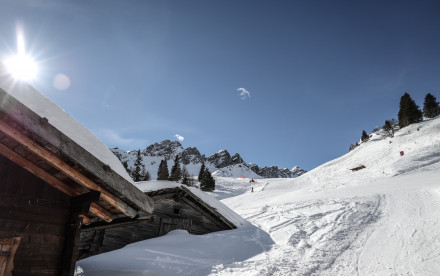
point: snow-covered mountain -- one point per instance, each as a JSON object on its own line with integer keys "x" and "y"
{"x": 237, "y": 169}
{"x": 382, "y": 219}
{"x": 220, "y": 163}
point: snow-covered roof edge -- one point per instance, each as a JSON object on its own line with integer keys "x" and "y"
{"x": 221, "y": 208}
{"x": 62, "y": 121}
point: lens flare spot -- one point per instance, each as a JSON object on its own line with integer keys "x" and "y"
{"x": 61, "y": 82}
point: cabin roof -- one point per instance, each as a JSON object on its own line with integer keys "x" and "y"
{"x": 198, "y": 197}
{"x": 193, "y": 199}
{"x": 360, "y": 167}
{"x": 42, "y": 138}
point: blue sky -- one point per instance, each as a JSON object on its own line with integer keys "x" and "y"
{"x": 316, "y": 73}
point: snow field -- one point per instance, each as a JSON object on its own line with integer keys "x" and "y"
{"x": 409, "y": 235}
{"x": 309, "y": 235}
{"x": 382, "y": 220}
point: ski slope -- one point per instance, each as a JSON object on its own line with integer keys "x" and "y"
{"x": 381, "y": 220}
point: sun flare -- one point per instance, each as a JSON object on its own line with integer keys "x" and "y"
{"x": 22, "y": 67}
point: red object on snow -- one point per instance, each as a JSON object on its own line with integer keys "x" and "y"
{"x": 402, "y": 153}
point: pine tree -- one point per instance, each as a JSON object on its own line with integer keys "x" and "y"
{"x": 187, "y": 178}
{"x": 207, "y": 182}
{"x": 176, "y": 172}
{"x": 211, "y": 181}
{"x": 409, "y": 111}
{"x": 137, "y": 167}
{"x": 365, "y": 136}
{"x": 145, "y": 175}
{"x": 352, "y": 147}
{"x": 431, "y": 107}
{"x": 201, "y": 172}
{"x": 162, "y": 172}
{"x": 125, "y": 164}
{"x": 159, "y": 170}
{"x": 388, "y": 128}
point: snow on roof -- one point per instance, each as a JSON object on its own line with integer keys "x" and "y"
{"x": 156, "y": 185}
{"x": 232, "y": 216}
{"x": 58, "y": 118}
{"x": 150, "y": 186}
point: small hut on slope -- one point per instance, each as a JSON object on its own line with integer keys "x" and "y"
{"x": 175, "y": 207}
{"x": 55, "y": 177}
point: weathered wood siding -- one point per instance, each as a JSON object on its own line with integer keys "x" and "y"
{"x": 201, "y": 222}
{"x": 97, "y": 241}
{"x": 36, "y": 212}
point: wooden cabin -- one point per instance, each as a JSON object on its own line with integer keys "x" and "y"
{"x": 174, "y": 208}
{"x": 51, "y": 186}
{"x": 358, "y": 168}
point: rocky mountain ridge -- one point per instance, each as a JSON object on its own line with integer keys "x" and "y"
{"x": 220, "y": 163}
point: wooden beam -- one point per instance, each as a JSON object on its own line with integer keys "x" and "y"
{"x": 80, "y": 204}
{"x": 8, "y": 246}
{"x": 85, "y": 219}
{"x": 119, "y": 222}
{"x": 51, "y": 180}
{"x": 71, "y": 242}
{"x": 66, "y": 169}
{"x": 37, "y": 171}
{"x": 100, "y": 212}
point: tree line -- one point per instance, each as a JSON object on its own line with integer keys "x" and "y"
{"x": 409, "y": 113}
{"x": 177, "y": 174}
{"x": 138, "y": 172}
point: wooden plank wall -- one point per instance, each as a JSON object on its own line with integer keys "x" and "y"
{"x": 201, "y": 223}
{"x": 99, "y": 241}
{"x": 36, "y": 212}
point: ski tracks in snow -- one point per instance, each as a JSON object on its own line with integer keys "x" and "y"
{"x": 406, "y": 242}
{"x": 312, "y": 237}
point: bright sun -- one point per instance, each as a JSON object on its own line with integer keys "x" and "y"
{"x": 22, "y": 67}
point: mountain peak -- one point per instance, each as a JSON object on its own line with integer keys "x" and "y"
{"x": 236, "y": 159}
{"x": 221, "y": 161}
{"x": 166, "y": 148}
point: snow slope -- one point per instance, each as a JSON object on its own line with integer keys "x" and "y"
{"x": 382, "y": 220}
